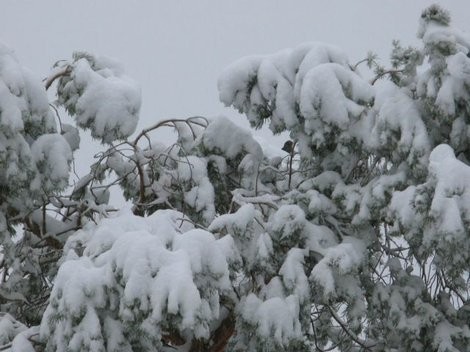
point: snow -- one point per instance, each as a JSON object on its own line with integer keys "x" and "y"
{"x": 313, "y": 77}
{"x": 275, "y": 318}
{"x": 398, "y": 113}
{"x": 115, "y": 339}
{"x": 446, "y": 81}
{"x": 9, "y": 328}
{"x": 71, "y": 135}
{"x": 435, "y": 213}
{"x": 224, "y": 136}
{"x": 454, "y": 85}
{"x": 173, "y": 291}
{"x": 400, "y": 206}
{"x": 264, "y": 248}
{"x": 293, "y": 274}
{"x": 22, "y": 97}
{"x": 341, "y": 259}
{"x": 235, "y": 78}
{"x": 193, "y": 169}
{"x": 288, "y": 221}
{"x": 201, "y": 196}
{"x": 22, "y": 341}
{"x": 102, "y": 98}
{"x": 204, "y": 254}
{"x": 139, "y": 268}
{"x": 270, "y": 73}
{"x": 52, "y": 155}
{"x": 452, "y": 191}
{"x": 445, "y": 331}
{"x": 87, "y": 335}
{"x": 235, "y": 223}
{"x": 324, "y": 95}
{"x": 127, "y": 281}
{"x": 35, "y": 158}
{"x": 11, "y": 114}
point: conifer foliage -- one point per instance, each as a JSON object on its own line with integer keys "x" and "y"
{"x": 355, "y": 239}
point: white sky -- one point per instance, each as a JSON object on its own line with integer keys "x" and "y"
{"x": 176, "y": 49}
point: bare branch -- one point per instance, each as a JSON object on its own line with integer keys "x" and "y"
{"x": 65, "y": 71}
{"x": 364, "y": 344}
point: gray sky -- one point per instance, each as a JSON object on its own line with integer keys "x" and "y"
{"x": 176, "y": 49}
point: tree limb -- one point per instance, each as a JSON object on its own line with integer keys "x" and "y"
{"x": 352, "y": 335}
{"x": 65, "y": 71}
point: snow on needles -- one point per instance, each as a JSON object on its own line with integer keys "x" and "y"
{"x": 143, "y": 270}
{"x": 309, "y": 90}
{"x": 314, "y": 76}
{"x": 101, "y": 97}
{"x": 439, "y": 208}
{"x": 53, "y": 156}
{"x": 35, "y": 158}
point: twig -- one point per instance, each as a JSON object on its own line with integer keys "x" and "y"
{"x": 381, "y": 74}
{"x": 65, "y": 71}
{"x": 315, "y": 339}
{"x": 351, "y": 334}
{"x": 291, "y": 159}
{"x": 188, "y": 121}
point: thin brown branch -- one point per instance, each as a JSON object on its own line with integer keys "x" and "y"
{"x": 65, "y": 71}
{"x": 170, "y": 122}
{"x": 352, "y": 335}
{"x": 291, "y": 159}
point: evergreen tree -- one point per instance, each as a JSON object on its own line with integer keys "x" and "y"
{"x": 356, "y": 239}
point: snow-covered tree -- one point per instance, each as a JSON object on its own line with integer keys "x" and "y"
{"x": 35, "y": 161}
{"x": 376, "y": 171}
{"x": 355, "y": 239}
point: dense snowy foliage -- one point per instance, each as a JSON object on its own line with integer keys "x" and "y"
{"x": 89, "y": 82}
{"x": 355, "y": 238}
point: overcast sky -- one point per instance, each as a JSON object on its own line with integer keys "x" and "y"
{"x": 176, "y": 49}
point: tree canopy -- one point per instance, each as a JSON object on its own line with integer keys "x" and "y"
{"x": 354, "y": 238}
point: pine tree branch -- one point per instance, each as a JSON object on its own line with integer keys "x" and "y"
{"x": 169, "y": 123}
{"x": 6, "y": 346}
{"x": 223, "y": 334}
{"x": 65, "y": 71}
{"x": 315, "y": 339}
{"x": 381, "y": 74}
{"x": 352, "y": 335}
